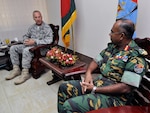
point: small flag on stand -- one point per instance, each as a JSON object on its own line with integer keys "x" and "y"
{"x": 68, "y": 16}
{"x": 128, "y": 9}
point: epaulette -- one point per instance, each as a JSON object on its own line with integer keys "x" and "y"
{"x": 141, "y": 51}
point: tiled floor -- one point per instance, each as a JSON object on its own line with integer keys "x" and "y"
{"x": 33, "y": 96}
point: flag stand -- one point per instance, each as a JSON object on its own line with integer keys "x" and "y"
{"x": 65, "y": 49}
{"x": 73, "y": 43}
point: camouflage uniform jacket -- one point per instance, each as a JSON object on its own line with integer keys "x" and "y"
{"x": 126, "y": 66}
{"x": 41, "y": 34}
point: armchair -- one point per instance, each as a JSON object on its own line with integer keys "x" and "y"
{"x": 36, "y": 67}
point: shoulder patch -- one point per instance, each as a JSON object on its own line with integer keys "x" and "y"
{"x": 138, "y": 68}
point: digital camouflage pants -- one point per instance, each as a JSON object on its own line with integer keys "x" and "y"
{"x": 71, "y": 99}
{"x": 27, "y": 56}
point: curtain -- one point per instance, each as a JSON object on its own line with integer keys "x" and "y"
{"x": 16, "y": 16}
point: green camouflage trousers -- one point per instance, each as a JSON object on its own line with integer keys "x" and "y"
{"x": 71, "y": 99}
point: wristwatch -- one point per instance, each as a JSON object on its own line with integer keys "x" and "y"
{"x": 93, "y": 90}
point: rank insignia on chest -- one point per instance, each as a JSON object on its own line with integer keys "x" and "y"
{"x": 118, "y": 56}
{"x": 125, "y": 58}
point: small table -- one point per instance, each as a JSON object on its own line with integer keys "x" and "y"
{"x": 5, "y": 59}
{"x": 65, "y": 73}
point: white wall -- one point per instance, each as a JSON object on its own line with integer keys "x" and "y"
{"x": 94, "y": 21}
{"x": 54, "y": 14}
{"x": 143, "y": 20}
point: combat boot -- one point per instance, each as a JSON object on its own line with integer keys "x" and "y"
{"x": 15, "y": 72}
{"x": 24, "y": 76}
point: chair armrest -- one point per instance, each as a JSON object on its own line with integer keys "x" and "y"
{"x": 37, "y": 49}
{"x": 123, "y": 109}
{"x": 15, "y": 43}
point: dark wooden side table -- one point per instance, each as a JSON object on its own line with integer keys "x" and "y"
{"x": 5, "y": 61}
{"x": 64, "y": 73}
{"x": 67, "y": 73}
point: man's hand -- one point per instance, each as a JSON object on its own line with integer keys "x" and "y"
{"x": 29, "y": 42}
{"x": 88, "y": 81}
{"x": 86, "y": 86}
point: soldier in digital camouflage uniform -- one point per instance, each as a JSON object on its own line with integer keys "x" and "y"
{"x": 38, "y": 33}
{"x": 121, "y": 65}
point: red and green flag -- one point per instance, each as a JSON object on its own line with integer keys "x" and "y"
{"x": 68, "y": 16}
{"x": 128, "y": 9}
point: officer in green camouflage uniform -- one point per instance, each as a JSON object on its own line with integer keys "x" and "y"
{"x": 38, "y": 33}
{"x": 122, "y": 66}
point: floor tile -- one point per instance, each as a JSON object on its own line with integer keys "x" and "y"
{"x": 50, "y": 109}
{"x": 4, "y": 106}
{"x": 2, "y": 94}
{"x": 33, "y": 96}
